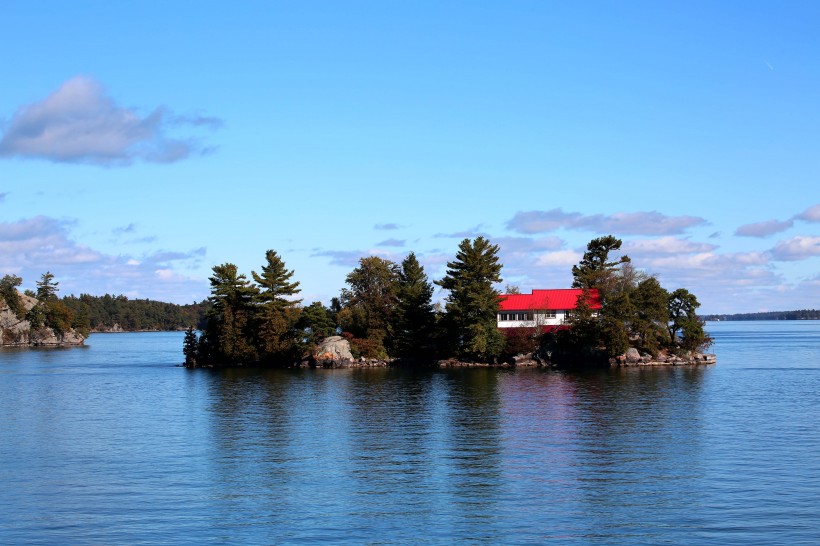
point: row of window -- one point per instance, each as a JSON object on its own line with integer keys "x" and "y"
{"x": 525, "y": 316}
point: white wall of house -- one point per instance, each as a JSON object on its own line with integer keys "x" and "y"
{"x": 530, "y": 319}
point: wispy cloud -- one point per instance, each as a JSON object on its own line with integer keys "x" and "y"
{"x": 664, "y": 246}
{"x": 32, "y": 246}
{"x": 387, "y": 227}
{"x": 811, "y": 214}
{"x": 527, "y": 244}
{"x": 465, "y": 234}
{"x": 763, "y": 229}
{"x": 79, "y": 123}
{"x": 344, "y": 258}
{"x": 392, "y": 242}
{"x": 3, "y": 196}
{"x": 622, "y": 223}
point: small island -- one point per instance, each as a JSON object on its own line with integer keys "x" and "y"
{"x": 620, "y": 316}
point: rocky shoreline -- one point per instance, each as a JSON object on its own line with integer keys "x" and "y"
{"x": 17, "y": 332}
{"x": 334, "y": 352}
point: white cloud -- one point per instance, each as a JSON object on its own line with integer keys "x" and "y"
{"x": 665, "y": 245}
{"x": 559, "y": 258}
{"x": 811, "y": 214}
{"x": 796, "y": 248}
{"x": 622, "y": 223}
{"x": 79, "y": 123}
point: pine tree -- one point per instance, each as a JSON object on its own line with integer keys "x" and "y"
{"x": 46, "y": 287}
{"x": 275, "y": 319}
{"x": 473, "y": 303}
{"x": 594, "y": 271}
{"x": 227, "y": 337}
{"x": 414, "y": 319}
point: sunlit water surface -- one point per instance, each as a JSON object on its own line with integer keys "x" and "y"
{"x": 114, "y": 444}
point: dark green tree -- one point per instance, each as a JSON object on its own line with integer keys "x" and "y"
{"x": 368, "y": 304}
{"x": 8, "y": 293}
{"x": 414, "y": 318}
{"x": 472, "y": 303}
{"x": 46, "y": 287}
{"x": 190, "y": 347}
{"x": 316, "y": 321}
{"x": 228, "y": 334}
{"x": 276, "y": 334}
{"x": 683, "y": 318}
{"x": 651, "y": 315}
{"x": 595, "y": 270}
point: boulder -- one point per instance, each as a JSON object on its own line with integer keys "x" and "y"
{"x": 334, "y": 348}
{"x": 632, "y": 355}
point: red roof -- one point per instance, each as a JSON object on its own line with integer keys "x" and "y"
{"x": 549, "y": 300}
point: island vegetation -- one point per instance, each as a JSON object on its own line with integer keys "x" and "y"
{"x": 386, "y": 312}
{"x": 37, "y": 318}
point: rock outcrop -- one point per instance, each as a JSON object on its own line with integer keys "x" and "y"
{"x": 17, "y": 332}
{"x": 333, "y": 352}
{"x": 633, "y": 358}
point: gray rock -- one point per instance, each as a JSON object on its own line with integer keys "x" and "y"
{"x": 632, "y": 355}
{"x": 334, "y": 348}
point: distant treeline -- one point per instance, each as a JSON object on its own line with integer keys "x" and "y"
{"x": 104, "y": 312}
{"x": 802, "y": 314}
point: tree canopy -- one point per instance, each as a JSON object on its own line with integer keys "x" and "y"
{"x": 473, "y": 302}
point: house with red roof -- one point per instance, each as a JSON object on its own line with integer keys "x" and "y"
{"x": 544, "y": 308}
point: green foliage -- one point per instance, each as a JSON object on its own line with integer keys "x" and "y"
{"x": 47, "y": 288}
{"x": 8, "y": 293}
{"x": 228, "y": 334}
{"x": 369, "y": 303}
{"x": 682, "y": 306}
{"x": 595, "y": 271}
{"x": 651, "y": 315}
{"x": 274, "y": 283}
{"x": 276, "y": 316}
{"x": 190, "y": 347}
{"x": 249, "y": 323}
{"x": 472, "y": 303}
{"x": 316, "y": 321}
{"x": 103, "y": 312}
{"x": 414, "y": 318}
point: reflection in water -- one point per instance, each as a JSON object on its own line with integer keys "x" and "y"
{"x": 115, "y": 445}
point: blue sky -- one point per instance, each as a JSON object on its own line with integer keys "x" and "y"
{"x": 143, "y": 143}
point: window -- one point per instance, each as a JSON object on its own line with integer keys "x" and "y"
{"x": 549, "y": 313}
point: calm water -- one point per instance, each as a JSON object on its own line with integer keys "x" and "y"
{"x": 112, "y": 444}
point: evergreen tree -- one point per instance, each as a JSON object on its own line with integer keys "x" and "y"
{"x": 9, "y": 294}
{"x": 651, "y": 315}
{"x": 46, "y": 287}
{"x": 316, "y": 321}
{"x": 682, "y": 306}
{"x": 594, "y": 269}
{"x": 414, "y": 322}
{"x": 190, "y": 348}
{"x": 369, "y": 303}
{"x": 228, "y": 335}
{"x": 275, "y": 318}
{"x": 473, "y": 303}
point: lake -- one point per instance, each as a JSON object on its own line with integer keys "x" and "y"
{"x": 115, "y": 444}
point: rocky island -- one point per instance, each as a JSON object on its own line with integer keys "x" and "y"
{"x": 37, "y": 319}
